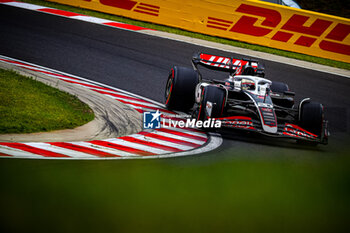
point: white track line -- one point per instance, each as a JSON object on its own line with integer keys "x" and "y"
{"x": 91, "y": 19}
{"x": 134, "y": 101}
{"x": 24, "y": 5}
{"x": 188, "y": 131}
{"x": 60, "y": 150}
{"x": 122, "y": 142}
{"x": 17, "y": 153}
{"x": 176, "y": 137}
{"x": 105, "y": 149}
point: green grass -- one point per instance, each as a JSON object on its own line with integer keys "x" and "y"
{"x": 276, "y": 193}
{"x": 298, "y": 56}
{"x": 29, "y": 106}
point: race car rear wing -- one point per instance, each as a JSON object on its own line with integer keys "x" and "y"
{"x": 228, "y": 64}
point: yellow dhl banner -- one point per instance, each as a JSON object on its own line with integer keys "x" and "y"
{"x": 250, "y": 21}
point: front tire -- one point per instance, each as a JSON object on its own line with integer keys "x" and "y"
{"x": 216, "y": 96}
{"x": 180, "y": 88}
{"x": 311, "y": 117}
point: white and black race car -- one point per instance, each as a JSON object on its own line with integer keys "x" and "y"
{"x": 246, "y": 100}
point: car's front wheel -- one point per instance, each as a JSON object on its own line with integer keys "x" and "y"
{"x": 311, "y": 118}
{"x": 212, "y": 103}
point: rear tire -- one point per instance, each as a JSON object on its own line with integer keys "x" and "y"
{"x": 215, "y": 95}
{"x": 180, "y": 88}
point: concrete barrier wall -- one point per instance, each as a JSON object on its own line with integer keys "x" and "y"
{"x": 250, "y": 21}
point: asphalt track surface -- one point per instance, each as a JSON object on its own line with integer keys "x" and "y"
{"x": 140, "y": 64}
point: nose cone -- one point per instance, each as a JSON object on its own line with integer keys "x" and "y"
{"x": 268, "y": 119}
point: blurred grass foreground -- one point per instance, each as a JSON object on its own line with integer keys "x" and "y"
{"x": 176, "y": 195}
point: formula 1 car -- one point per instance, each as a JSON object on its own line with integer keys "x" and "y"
{"x": 246, "y": 100}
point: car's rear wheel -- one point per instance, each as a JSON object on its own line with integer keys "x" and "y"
{"x": 311, "y": 118}
{"x": 213, "y": 103}
{"x": 180, "y": 88}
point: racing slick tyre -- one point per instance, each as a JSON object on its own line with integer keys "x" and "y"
{"x": 213, "y": 101}
{"x": 280, "y": 88}
{"x": 180, "y": 88}
{"x": 311, "y": 118}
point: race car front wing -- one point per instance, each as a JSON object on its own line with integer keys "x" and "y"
{"x": 286, "y": 130}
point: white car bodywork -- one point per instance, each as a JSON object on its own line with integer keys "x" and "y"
{"x": 261, "y": 87}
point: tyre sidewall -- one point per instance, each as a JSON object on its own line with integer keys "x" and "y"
{"x": 215, "y": 95}
{"x": 182, "y": 91}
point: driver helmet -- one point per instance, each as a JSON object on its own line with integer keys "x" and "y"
{"x": 248, "y": 85}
